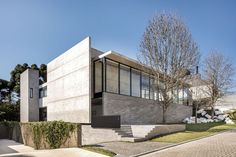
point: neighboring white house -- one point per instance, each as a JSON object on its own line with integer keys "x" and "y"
{"x": 227, "y": 102}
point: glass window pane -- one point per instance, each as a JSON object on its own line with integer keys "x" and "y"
{"x": 181, "y": 94}
{"x": 111, "y": 76}
{"x": 124, "y": 80}
{"x": 98, "y": 77}
{"x": 145, "y": 86}
{"x": 135, "y": 83}
{"x": 175, "y": 96}
{"x": 153, "y": 89}
{"x": 185, "y": 95}
{"x": 45, "y": 91}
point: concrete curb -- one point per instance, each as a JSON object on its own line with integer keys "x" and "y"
{"x": 177, "y": 144}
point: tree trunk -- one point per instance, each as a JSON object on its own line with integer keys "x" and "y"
{"x": 196, "y": 107}
{"x": 164, "y": 116}
{"x": 212, "y": 112}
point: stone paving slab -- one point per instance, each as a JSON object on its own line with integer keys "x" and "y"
{"x": 129, "y": 148}
{"x": 220, "y": 145}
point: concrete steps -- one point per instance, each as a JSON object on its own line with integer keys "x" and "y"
{"x": 138, "y": 133}
{"x": 124, "y": 131}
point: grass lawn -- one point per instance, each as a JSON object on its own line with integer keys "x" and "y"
{"x": 194, "y": 131}
{"x": 99, "y": 150}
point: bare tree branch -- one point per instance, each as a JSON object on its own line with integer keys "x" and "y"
{"x": 168, "y": 49}
{"x": 219, "y": 74}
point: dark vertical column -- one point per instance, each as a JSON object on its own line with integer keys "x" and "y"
{"x": 102, "y": 81}
{"x": 105, "y": 74}
{"x": 140, "y": 84}
{"x": 118, "y": 78}
{"x": 149, "y": 86}
{"x": 130, "y": 78}
{"x": 93, "y": 78}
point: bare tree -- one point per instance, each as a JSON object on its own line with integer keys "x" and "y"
{"x": 219, "y": 74}
{"x": 168, "y": 49}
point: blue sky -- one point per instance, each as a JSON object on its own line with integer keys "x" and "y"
{"x": 36, "y": 31}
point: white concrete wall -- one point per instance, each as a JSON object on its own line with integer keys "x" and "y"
{"x": 227, "y": 102}
{"x": 29, "y": 107}
{"x": 68, "y": 85}
{"x": 200, "y": 92}
{"x": 24, "y": 90}
{"x": 91, "y": 135}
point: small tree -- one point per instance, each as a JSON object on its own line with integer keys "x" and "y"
{"x": 219, "y": 74}
{"x": 168, "y": 49}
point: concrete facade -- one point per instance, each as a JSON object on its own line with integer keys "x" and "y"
{"x": 29, "y": 108}
{"x": 69, "y": 85}
{"x": 134, "y": 110}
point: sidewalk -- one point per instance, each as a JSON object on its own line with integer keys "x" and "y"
{"x": 10, "y": 148}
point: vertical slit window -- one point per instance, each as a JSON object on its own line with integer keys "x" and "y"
{"x": 31, "y": 92}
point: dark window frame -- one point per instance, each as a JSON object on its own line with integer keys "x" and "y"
{"x": 104, "y": 80}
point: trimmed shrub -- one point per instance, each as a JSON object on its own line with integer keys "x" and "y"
{"x": 232, "y": 116}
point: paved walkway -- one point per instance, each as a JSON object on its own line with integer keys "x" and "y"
{"x": 10, "y": 148}
{"x": 129, "y": 148}
{"x": 220, "y": 145}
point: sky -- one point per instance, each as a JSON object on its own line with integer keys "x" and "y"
{"x": 37, "y": 31}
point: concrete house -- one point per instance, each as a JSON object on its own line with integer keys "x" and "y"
{"x": 84, "y": 85}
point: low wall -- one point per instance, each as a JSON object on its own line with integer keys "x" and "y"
{"x": 11, "y": 130}
{"x": 74, "y": 139}
{"x": 149, "y": 131}
{"x": 135, "y": 110}
{"x": 132, "y": 110}
{"x": 23, "y": 133}
{"x": 91, "y": 135}
{"x": 166, "y": 129}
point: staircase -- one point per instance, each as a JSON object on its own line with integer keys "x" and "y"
{"x": 124, "y": 131}
{"x": 138, "y": 133}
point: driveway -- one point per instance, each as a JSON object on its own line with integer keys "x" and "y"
{"x": 10, "y": 148}
{"x": 220, "y": 145}
{"x": 130, "y": 148}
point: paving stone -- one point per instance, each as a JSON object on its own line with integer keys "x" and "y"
{"x": 220, "y": 145}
